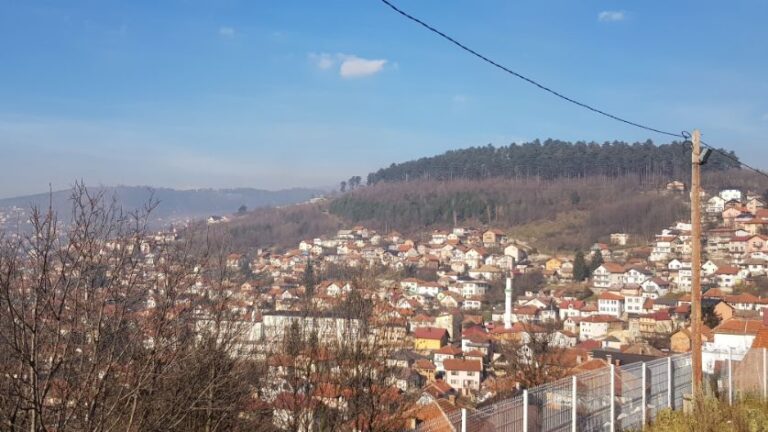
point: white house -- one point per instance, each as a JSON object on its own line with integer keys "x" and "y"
{"x": 674, "y": 265}
{"x": 515, "y": 252}
{"x": 737, "y": 334}
{"x": 708, "y": 268}
{"x": 715, "y": 205}
{"x": 607, "y": 274}
{"x": 636, "y": 276}
{"x": 563, "y": 339}
{"x": 730, "y": 194}
{"x": 609, "y": 303}
{"x": 570, "y": 308}
{"x": 487, "y": 272}
{"x": 634, "y": 303}
{"x": 598, "y": 326}
{"x": 655, "y": 288}
{"x": 663, "y": 248}
{"x": 444, "y": 353}
{"x": 428, "y": 289}
{"x": 463, "y": 375}
{"x": 469, "y": 288}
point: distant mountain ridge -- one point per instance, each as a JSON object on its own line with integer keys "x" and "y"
{"x": 173, "y": 203}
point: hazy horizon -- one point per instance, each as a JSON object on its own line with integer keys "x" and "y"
{"x": 232, "y": 94}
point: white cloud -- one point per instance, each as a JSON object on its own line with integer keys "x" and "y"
{"x": 322, "y": 60}
{"x": 226, "y": 32}
{"x": 610, "y": 16}
{"x": 355, "y": 67}
{"x": 350, "y": 66}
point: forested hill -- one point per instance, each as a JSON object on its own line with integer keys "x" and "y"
{"x": 552, "y": 159}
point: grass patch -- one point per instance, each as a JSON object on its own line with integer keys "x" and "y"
{"x": 553, "y": 234}
{"x": 748, "y": 415}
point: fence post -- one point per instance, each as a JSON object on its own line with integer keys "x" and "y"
{"x": 644, "y": 401}
{"x": 765, "y": 373}
{"x": 613, "y": 397}
{"x": 463, "y": 420}
{"x": 730, "y": 376}
{"x": 525, "y": 410}
{"x": 669, "y": 382}
{"x": 574, "y": 405}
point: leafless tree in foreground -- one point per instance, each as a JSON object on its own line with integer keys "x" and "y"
{"x": 93, "y": 337}
{"x": 102, "y": 330}
{"x": 532, "y": 356}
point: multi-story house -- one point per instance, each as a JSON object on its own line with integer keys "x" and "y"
{"x": 607, "y": 274}
{"x": 609, "y": 303}
{"x": 663, "y": 248}
{"x": 570, "y": 308}
{"x": 463, "y": 375}
{"x": 636, "y": 276}
{"x": 598, "y": 326}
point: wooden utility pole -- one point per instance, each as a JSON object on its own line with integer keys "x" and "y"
{"x": 696, "y": 263}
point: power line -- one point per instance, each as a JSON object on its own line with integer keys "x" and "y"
{"x": 558, "y": 94}
{"x": 735, "y": 159}
{"x": 523, "y": 77}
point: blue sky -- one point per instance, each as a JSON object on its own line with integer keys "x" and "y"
{"x": 305, "y": 93}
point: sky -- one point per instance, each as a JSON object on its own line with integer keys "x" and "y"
{"x": 276, "y": 94}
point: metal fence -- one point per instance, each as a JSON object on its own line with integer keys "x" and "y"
{"x": 611, "y": 398}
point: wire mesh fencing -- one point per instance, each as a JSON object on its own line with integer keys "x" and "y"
{"x": 593, "y": 408}
{"x": 506, "y": 415}
{"x": 740, "y": 374}
{"x": 614, "y": 398}
{"x": 607, "y": 399}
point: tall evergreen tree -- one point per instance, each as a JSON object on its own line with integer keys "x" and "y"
{"x": 309, "y": 279}
{"x": 596, "y": 261}
{"x": 580, "y": 269}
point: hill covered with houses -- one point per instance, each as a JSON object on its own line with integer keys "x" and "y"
{"x": 442, "y": 290}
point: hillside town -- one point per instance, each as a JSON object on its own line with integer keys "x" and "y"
{"x": 429, "y": 323}
{"x": 467, "y": 309}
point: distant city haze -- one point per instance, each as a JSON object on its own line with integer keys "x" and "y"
{"x": 305, "y": 94}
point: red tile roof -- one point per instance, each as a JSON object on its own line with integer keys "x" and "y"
{"x": 613, "y": 267}
{"x": 739, "y": 326}
{"x": 600, "y": 319}
{"x": 425, "y": 364}
{"x": 742, "y": 298}
{"x": 606, "y": 295}
{"x": 449, "y": 349}
{"x": 589, "y": 345}
{"x": 761, "y": 340}
{"x": 462, "y": 365}
{"x": 432, "y": 333}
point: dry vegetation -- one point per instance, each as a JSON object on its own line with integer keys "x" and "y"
{"x": 562, "y": 214}
{"x": 559, "y": 214}
{"x": 748, "y": 415}
{"x": 282, "y": 227}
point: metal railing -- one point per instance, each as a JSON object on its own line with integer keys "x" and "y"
{"x": 612, "y": 398}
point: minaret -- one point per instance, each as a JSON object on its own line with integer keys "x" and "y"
{"x": 508, "y": 303}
